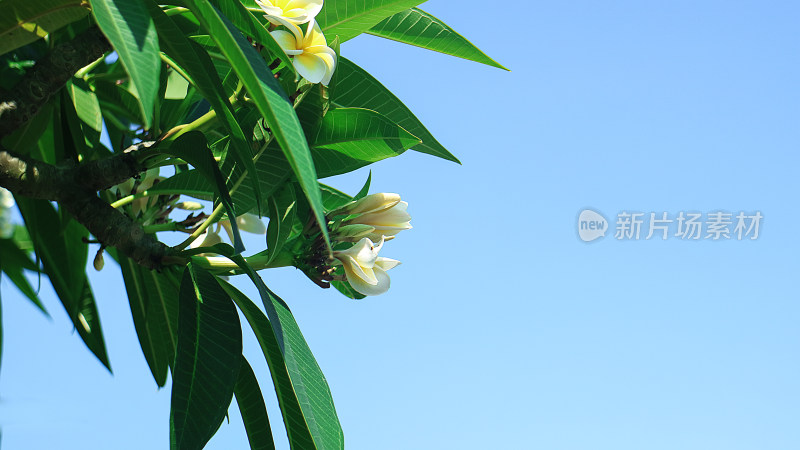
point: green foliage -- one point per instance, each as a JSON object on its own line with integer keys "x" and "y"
{"x": 131, "y": 32}
{"x": 416, "y": 27}
{"x": 207, "y": 359}
{"x": 25, "y": 21}
{"x": 203, "y": 90}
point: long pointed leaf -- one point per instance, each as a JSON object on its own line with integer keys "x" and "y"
{"x": 296, "y": 427}
{"x": 351, "y": 138}
{"x": 129, "y": 28}
{"x": 207, "y": 360}
{"x": 349, "y": 18}
{"x": 419, "y": 28}
{"x": 307, "y": 380}
{"x": 358, "y": 89}
{"x": 153, "y": 298}
{"x": 14, "y": 261}
{"x": 253, "y": 410}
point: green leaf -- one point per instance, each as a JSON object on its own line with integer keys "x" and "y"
{"x": 207, "y": 360}
{"x": 118, "y": 100}
{"x": 253, "y": 410}
{"x": 153, "y": 298}
{"x": 250, "y": 26}
{"x": 193, "y": 148}
{"x": 351, "y": 138}
{"x": 129, "y": 28}
{"x": 364, "y": 189}
{"x": 419, "y": 28}
{"x": 282, "y": 212}
{"x": 296, "y": 427}
{"x": 268, "y": 97}
{"x": 196, "y": 62}
{"x": 24, "y": 21}
{"x": 25, "y": 139}
{"x": 347, "y": 290}
{"x": 358, "y": 89}
{"x": 333, "y": 198}
{"x": 307, "y": 380}
{"x": 63, "y": 253}
{"x": 86, "y": 104}
{"x": 15, "y": 261}
{"x": 349, "y": 18}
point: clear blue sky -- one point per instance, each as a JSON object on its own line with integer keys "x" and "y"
{"x": 502, "y": 329}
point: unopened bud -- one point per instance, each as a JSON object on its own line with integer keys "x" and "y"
{"x": 98, "y": 260}
{"x": 189, "y": 206}
{"x": 353, "y": 233}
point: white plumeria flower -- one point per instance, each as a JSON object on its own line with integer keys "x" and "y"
{"x": 246, "y": 222}
{"x": 207, "y": 239}
{"x": 295, "y": 12}
{"x": 311, "y": 56}
{"x": 385, "y": 212}
{"x": 364, "y": 269}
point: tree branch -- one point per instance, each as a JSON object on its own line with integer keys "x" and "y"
{"x": 75, "y": 188}
{"x": 47, "y": 77}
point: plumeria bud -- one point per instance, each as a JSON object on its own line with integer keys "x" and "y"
{"x": 364, "y": 269}
{"x": 371, "y": 203}
{"x": 353, "y": 233}
{"x": 189, "y": 206}
{"x": 384, "y": 212}
{"x": 98, "y": 262}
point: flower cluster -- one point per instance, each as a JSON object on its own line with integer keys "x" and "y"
{"x": 371, "y": 221}
{"x": 311, "y": 56}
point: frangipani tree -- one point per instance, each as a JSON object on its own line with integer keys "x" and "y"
{"x": 243, "y": 104}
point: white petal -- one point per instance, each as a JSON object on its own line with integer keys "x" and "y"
{"x": 396, "y": 216}
{"x": 314, "y": 35}
{"x": 354, "y": 271}
{"x": 328, "y": 56}
{"x": 381, "y": 285}
{"x": 375, "y": 202}
{"x": 251, "y": 223}
{"x": 310, "y": 67}
{"x": 266, "y": 4}
{"x": 286, "y": 40}
{"x": 311, "y": 7}
{"x": 206, "y": 239}
{"x": 386, "y": 263}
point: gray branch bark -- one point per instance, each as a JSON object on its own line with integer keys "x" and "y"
{"x": 74, "y": 187}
